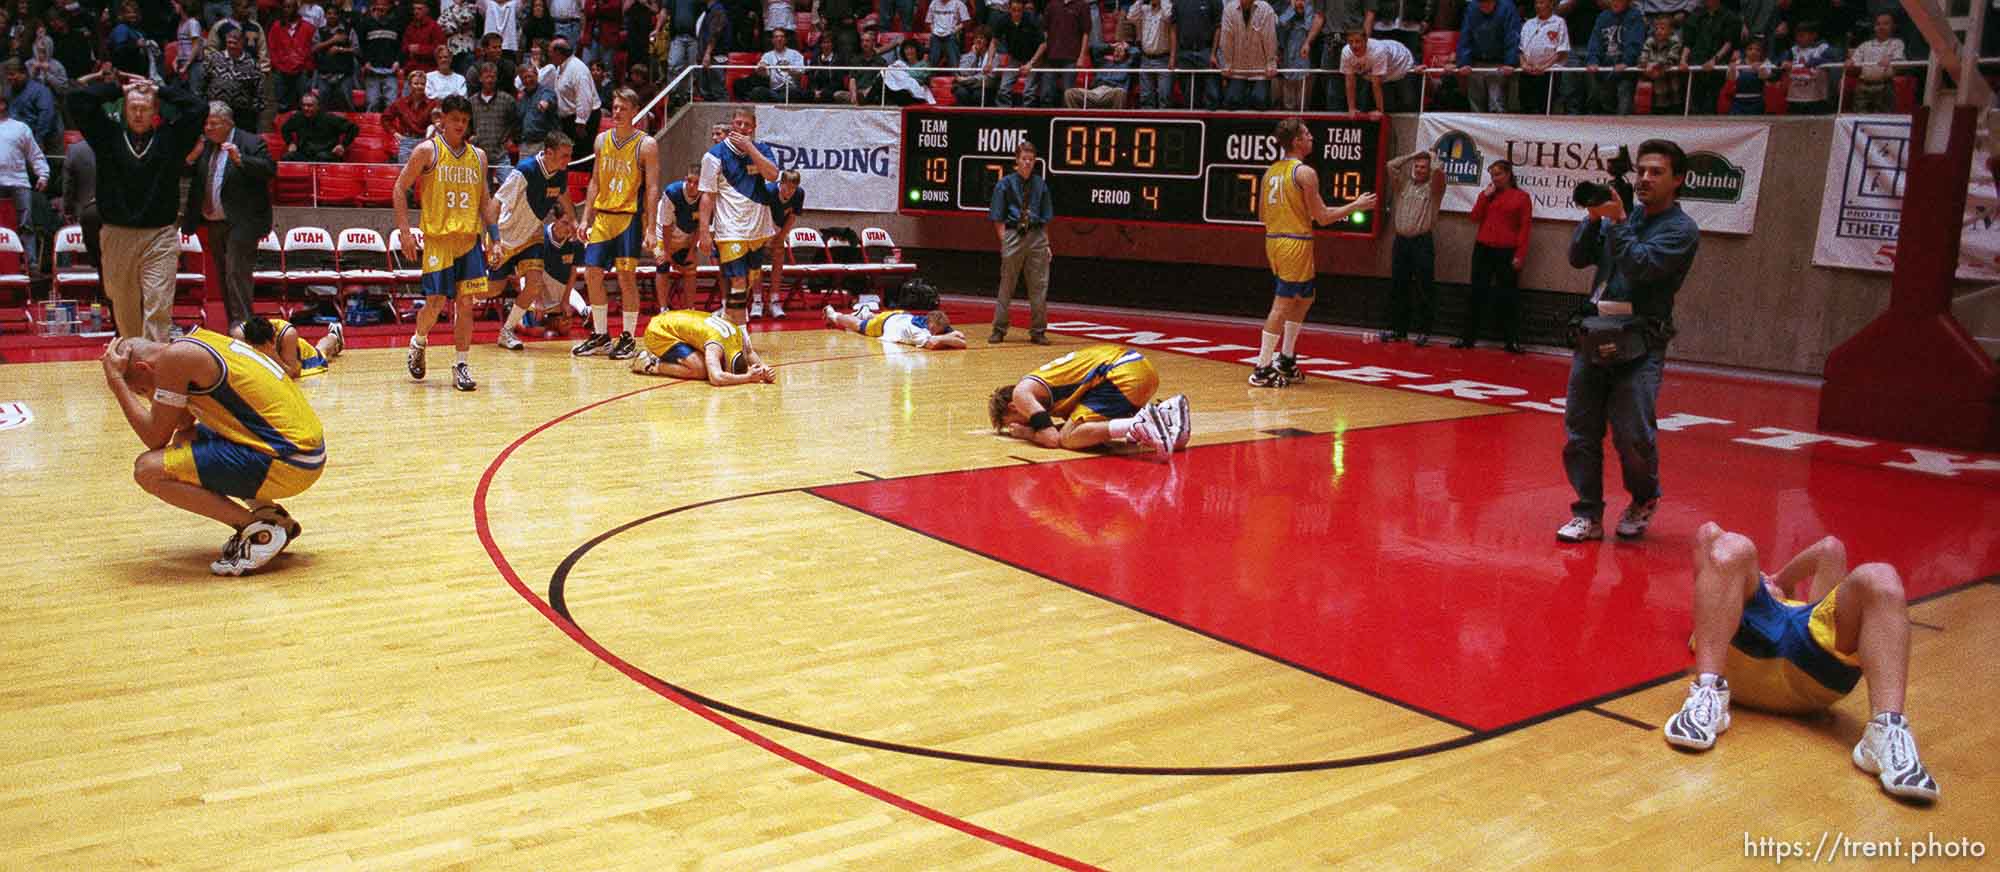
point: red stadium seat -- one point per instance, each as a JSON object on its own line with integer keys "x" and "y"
{"x": 370, "y": 150}
{"x": 276, "y": 142}
{"x": 339, "y": 183}
{"x": 729, "y": 78}
{"x": 378, "y": 185}
{"x": 579, "y": 185}
{"x": 295, "y": 185}
{"x": 1774, "y": 97}
{"x": 1642, "y": 99}
{"x": 1906, "y": 94}
{"x": 72, "y": 137}
{"x": 941, "y": 89}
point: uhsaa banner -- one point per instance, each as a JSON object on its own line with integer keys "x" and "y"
{"x": 846, "y": 158}
{"x": 1551, "y": 154}
{"x": 1861, "y": 209}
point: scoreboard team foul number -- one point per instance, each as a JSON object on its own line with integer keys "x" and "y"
{"x": 1142, "y": 167}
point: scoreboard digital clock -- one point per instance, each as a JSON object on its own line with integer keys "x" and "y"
{"x": 1201, "y": 169}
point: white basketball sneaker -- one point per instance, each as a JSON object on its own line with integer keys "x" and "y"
{"x": 1888, "y": 751}
{"x": 1702, "y": 717}
{"x": 1180, "y": 425}
{"x": 256, "y": 545}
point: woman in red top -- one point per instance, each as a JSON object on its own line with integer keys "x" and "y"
{"x": 1503, "y": 213}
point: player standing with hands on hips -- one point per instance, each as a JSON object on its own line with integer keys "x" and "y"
{"x": 1289, "y": 204}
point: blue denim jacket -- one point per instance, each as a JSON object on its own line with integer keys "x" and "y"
{"x": 1641, "y": 261}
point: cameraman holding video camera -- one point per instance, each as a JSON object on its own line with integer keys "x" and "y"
{"x": 1020, "y": 215}
{"x": 1641, "y": 261}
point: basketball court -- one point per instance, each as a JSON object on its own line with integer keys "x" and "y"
{"x": 583, "y": 619}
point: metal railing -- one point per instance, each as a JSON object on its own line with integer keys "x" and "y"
{"x": 1315, "y": 77}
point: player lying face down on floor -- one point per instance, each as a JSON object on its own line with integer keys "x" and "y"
{"x": 931, "y": 330}
{"x": 1095, "y": 395}
{"x": 703, "y": 346}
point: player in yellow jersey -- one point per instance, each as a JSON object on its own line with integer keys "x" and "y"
{"x": 1754, "y": 642}
{"x": 618, "y": 212}
{"x": 221, "y": 423}
{"x": 711, "y": 346}
{"x": 456, "y": 206}
{"x": 1088, "y": 397}
{"x": 280, "y": 341}
{"x": 1289, "y": 204}
{"x": 930, "y": 330}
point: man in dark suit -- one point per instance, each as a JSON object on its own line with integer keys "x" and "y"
{"x": 230, "y": 195}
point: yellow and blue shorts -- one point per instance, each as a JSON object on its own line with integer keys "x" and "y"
{"x": 215, "y": 464}
{"x": 1291, "y": 264}
{"x": 1783, "y": 658}
{"x": 874, "y": 324}
{"x": 527, "y": 257}
{"x": 454, "y": 267}
{"x": 614, "y": 242}
{"x": 1120, "y": 393}
{"x": 740, "y": 257}
{"x": 311, "y": 362}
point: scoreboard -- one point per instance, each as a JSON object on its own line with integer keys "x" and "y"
{"x": 1170, "y": 168}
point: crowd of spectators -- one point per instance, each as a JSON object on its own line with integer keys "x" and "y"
{"x": 532, "y": 66}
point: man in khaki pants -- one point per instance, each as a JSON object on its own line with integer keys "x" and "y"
{"x": 139, "y": 168}
{"x": 1021, "y": 213}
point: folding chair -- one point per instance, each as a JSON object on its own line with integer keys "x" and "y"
{"x": 364, "y": 263}
{"x": 190, "y": 282}
{"x": 78, "y": 277}
{"x": 811, "y": 263}
{"x": 12, "y": 256}
{"x": 269, "y": 273}
{"x": 310, "y": 262}
{"x": 409, "y": 273}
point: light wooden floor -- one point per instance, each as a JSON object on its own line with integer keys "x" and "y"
{"x": 386, "y": 700}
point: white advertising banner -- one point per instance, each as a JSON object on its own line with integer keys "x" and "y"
{"x": 1552, "y": 154}
{"x": 1861, "y": 209}
{"x": 846, "y": 158}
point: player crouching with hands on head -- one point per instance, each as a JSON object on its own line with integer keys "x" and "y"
{"x": 703, "y": 346}
{"x": 931, "y": 330}
{"x": 1094, "y": 395}
{"x": 221, "y": 423}
{"x": 1801, "y": 656}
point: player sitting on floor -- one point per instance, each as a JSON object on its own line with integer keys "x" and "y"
{"x": 931, "y": 330}
{"x": 1088, "y": 397}
{"x": 703, "y": 346}
{"x": 1753, "y": 642}
{"x": 280, "y": 341}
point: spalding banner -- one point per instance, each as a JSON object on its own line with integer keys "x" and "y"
{"x": 846, "y": 158}
{"x": 1550, "y": 155}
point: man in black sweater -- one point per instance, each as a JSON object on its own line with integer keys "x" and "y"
{"x": 317, "y": 136}
{"x": 139, "y": 167}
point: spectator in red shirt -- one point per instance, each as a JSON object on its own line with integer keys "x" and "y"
{"x": 1503, "y": 213}
{"x": 421, "y": 40}
{"x": 409, "y": 116}
{"x": 291, "y": 42}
